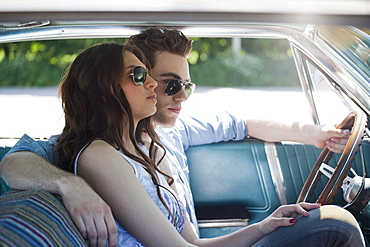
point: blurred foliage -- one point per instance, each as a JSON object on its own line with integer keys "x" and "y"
{"x": 213, "y": 62}
{"x": 39, "y": 63}
{"x": 258, "y": 62}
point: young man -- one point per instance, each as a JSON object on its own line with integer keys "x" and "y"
{"x": 167, "y": 52}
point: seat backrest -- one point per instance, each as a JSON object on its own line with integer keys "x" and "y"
{"x": 232, "y": 173}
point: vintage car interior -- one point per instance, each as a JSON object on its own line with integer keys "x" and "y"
{"x": 247, "y": 180}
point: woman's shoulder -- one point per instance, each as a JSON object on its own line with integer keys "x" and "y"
{"x": 97, "y": 150}
{"x": 99, "y": 143}
{"x": 98, "y": 146}
{"x": 99, "y": 153}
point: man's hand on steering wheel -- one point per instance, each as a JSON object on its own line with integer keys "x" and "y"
{"x": 337, "y": 144}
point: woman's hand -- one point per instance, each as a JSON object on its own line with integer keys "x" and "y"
{"x": 286, "y": 216}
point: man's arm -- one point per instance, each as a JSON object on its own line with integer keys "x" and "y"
{"x": 92, "y": 216}
{"x": 26, "y": 170}
{"x": 198, "y": 130}
{"x": 318, "y": 135}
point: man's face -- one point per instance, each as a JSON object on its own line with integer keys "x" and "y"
{"x": 169, "y": 66}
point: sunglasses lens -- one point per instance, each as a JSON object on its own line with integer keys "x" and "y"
{"x": 139, "y": 75}
{"x": 173, "y": 87}
{"x": 189, "y": 88}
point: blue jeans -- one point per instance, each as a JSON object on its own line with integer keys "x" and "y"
{"x": 326, "y": 226}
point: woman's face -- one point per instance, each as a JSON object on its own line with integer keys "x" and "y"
{"x": 142, "y": 99}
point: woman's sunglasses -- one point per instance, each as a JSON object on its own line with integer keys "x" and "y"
{"x": 173, "y": 86}
{"x": 139, "y": 74}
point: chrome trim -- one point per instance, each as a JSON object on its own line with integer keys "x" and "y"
{"x": 276, "y": 173}
{"x": 223, "y": 223}
{"x": 31, "y": 24}
{"x": 306, "y": 85}
{"x": 69, "y": 31}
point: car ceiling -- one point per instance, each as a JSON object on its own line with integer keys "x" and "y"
{"x": 347, "y": 12}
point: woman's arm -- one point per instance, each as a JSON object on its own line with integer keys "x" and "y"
{"x": 114, "y": 180}
{"x": 283, "y": 216}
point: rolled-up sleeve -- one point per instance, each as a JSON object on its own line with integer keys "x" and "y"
{"x": 210, "y": 129}
{"x": 45, "y": 149}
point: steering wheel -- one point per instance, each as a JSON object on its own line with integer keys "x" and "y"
{"x": 356, "y": 121}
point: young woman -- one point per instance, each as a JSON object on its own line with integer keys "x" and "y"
{"x": 108, "y": 98}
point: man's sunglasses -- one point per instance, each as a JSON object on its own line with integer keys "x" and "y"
{"x": 173, "y": 86}
{"x": 139, "y": 75}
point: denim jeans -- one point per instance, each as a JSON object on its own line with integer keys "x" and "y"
{"x": 326, "y": 226}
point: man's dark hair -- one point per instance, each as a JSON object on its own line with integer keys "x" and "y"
{"x": 158, "y": 39}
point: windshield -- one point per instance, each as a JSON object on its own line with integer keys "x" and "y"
{"x": 351, "y": 44}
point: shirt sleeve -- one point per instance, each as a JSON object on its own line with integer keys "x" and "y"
{"x": 210, "y": 129}
{"x": 45, "y": 149}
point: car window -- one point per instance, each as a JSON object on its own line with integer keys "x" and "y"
{"x": 254, "y": 77}
{"x": 332, "y": 105}
{"x": 29, "y": 75}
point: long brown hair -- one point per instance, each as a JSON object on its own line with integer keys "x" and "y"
{"x": 96, "y": 107}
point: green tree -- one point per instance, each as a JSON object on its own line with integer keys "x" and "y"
{"x": 259, "y": 62}
{"x": 39, "y": 63}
